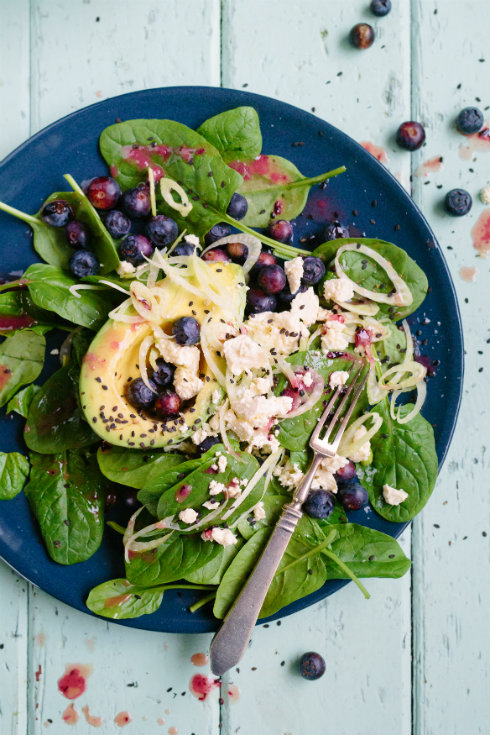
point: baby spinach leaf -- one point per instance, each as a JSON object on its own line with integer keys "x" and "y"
{"x": 273, "y": 186}
{"x": 365, "y": 271}
{"x": 119, "y": 599}
{"x": 234, "y": 133}
{"x": 367, "y": 552}
{"x": 404, "y": 457}
{"x": 21, "y": 361}
{"x": 22, "y": 400}
{"x": 55, "y": 421}
{"x": 17, "y": 312}
{"x": 14, "y": 470}
{"x": 393, "y": 348}
{"x": 294, "y": 433}
{"x": 147, "y": 470}
{"x": 181, "y": 154}
{"x": 212, "y": 572}
{"x": 49, "y": 288}
{"x": 170, "y": 561}
{"x": 66, "y": 494}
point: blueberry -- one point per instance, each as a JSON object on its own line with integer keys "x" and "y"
{"x": 380, "y": 7}
{"x": 238, "y": 206}
{"x": 334, "y": 230}
{"x": 208, "y": 442}
{"x": 347, "y": 472}
{"x": 57, "y": 213}
{"x": 167, "y": 404}
{"x": 352, "y": 495}
{"x": 136, "y": 202}
{"x": 217, "y": 232}
{"x": 76, "y": 234}
{"x": 133, "y": 249}
{"x": 319, "y": 504}
{"x": 458, "y": 202}
{"x": 237, "y": 251}
{"x": 362, "y": 35}
{"x": 313, "y": 270}
{"x": 216, "y": 254}
{"x": 271, "y": 279}
{"x": 470, "y": 120}
{"x": 311, "y": 665}
{"x": 186, "y": 330}
{"x": 410, "y": 135}
{"x": 164, "y": 374}
{"x": 285, "y": 296}
{"x": 265, "y": 258}
{"x": 282, "y": 231}
{"x": 184, "y": 248}
{"x": 103, "y": 192}
{"x": 117, "y": 223}
{"x": 162, "y": 230}
{"x": 83, "y": 263}
{"x": 258, "y": 301}
{"x": 139, "y": 395}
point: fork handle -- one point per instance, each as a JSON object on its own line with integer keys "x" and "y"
{"x": 229, "y": 644}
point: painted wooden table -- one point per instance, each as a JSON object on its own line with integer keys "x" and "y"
{"x": 415, "y": 657}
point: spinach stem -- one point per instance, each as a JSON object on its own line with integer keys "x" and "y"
{"x": 314, "y": 550}
{"x": 203, "y": 601}
{"x": 278, "y": 247}
{"x": 315, "y": 179}
{"x": 20, "y": 215}
{"x": 19, "y": 283}
{"x": 116, "y": 526}
{"x": 347, "y": 571}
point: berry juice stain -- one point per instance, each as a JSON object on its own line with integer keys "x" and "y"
{"x": 233, "y": 693}
{"x": 201, "y": 686}
{"x": 480, "y": 234}
{"x": 74, "y": 681}
{"x": 430, "y": 166}
{"x": 91, "y": 719}
{"x": 70, "y": 715}
{"x": 467, "y": 274}
{"x": 476, "y": 142}
{"x": 376, "y": 151}
{"x": 199, "y": 659}
{"x": 122, "y": 719}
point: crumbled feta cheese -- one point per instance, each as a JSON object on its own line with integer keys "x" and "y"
{"x": 393, "y": 496}
{"x": 125, "y": 268}
{"x": 364, "y": 451}
{"x": 192, "y": 240}
{"x": 55, "y": 351}
{"x": 323, "y": 314}
{"x": 211, "y": 504}
{"x": 289, "y": 475}
{"x": 215, "y": 396}
{"x": 307, "y": 379}
{"x": 485, "y": 195}
{"x": 338, "y": 289}
{"x": 202, "y": 433}
{"x": 186, "y": 383}
{"x": 333, "y": 338}
{"x": 242, "y": 428}
{"x": 259, "y": 511}
{"x": 222, "y": 463}
{"x": 189, "y": 515}
{"x": 305, "y": 306}
{"x": 280, "y": 331}
{"x": 257, "y": 410}
{"x": 216, "y": 488}
{"x": 294, "y": 273}
{"x": 223, "y": 536}
{"x": 260, "y": 386}
{"x": 184, "y": 356}
{"x": 333, "y": 464}
{"x": 339, "y": 377}
{"x": 234, "y": 490}
{"x": 242, "y": 354}
{"x": 324, "y": 480}
{"x": 266, "y": 443}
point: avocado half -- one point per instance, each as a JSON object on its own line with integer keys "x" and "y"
{"x": 112, "y": 358}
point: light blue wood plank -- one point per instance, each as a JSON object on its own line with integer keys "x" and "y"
{"x": 451, "y": 596}
{"x": 14, "y": 74}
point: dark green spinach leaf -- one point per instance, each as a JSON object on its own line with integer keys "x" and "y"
{"x": 404, "y": 457}
{"x": 119, "y": 599}
{"x": 234, "y": 133}
{"x": 66, "y": 493}
{"x": 367, "y": 553}
{"x": 14, "y": 470}
{"x": 212, "y": 572}
{"x": 22, "y": 400}
{"x": 21, "y": 361}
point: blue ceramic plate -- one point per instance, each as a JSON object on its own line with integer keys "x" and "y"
{"x": 35, "y": 169}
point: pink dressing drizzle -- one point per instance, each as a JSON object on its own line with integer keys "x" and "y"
{"x": 476, "y": 142}
{"x": 122, "y": 719}
{"x": 201, "y": 686}
{"x": 376, "y": 151}
{"x": 467, "y": 274}
{"x": 480, "y": 233}
{"x": 70, "y": 715}
{"x": 74, "y": 681}
{"x": 261, "y": 166}
{"x": 432, "y": 165}
{"x": 91, "y": 719}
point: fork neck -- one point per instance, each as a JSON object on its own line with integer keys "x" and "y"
{"x": 301, "y": 492}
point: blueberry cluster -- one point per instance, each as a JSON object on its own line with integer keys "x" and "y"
{"x": 351, "y": 495}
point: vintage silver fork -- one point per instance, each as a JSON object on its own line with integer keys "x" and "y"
{"x": 229, "y": 644}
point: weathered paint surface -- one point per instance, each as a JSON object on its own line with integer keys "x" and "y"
{"x": 439, "y": 618}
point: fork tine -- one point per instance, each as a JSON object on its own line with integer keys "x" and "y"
{"x": 326, "y": 411}
{"x": 342, "y": 403}
{"x": 348, "y": 413}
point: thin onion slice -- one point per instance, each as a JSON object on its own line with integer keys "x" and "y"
{"x": 213, "y": 365}
{"x": 118, "y": 314}
{"x": 421, "y": 394}
{"x": 273, "y": 459}
{"x": 360, "y": 309}
{"x": 253, "y": 244}
{"x": 85, "y": 287}
{"x": 349, "y": 445}
{"x": 144, "y": 349}
{"x": 416, "y": 372}
{"x": 167, "y": 186}
{"x": 311, "y": 398}
{"x": 401, "y": 297}
{"x": 286, "y": 369}
{"x": 222, "y": 429}
{"x": 144, "y": 302}
{"x": 153, "y": 200}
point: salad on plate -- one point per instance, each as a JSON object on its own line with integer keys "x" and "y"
{"x": 198, "y": 348}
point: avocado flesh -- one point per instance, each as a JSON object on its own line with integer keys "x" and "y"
{"x": 112, "y": 358}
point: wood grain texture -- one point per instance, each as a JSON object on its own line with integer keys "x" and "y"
{"x": 68, "y": 55}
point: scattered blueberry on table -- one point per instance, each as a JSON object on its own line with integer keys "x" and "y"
{"x": 458, "y": 202}
{"x": 470, "y": 120}
{"x": 362, "y": 35}
{"x": 311, "y": 665}
{"x": 380, "y": 8}
{"x": 410, "y": 135}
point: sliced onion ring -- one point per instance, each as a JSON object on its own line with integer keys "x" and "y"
{"x": 401, "y": 297}
{"x": 253, "y": 244}
{"x": 167, "y": 186}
